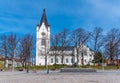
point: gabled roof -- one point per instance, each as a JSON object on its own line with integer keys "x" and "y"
{"x": 66, "y": 48}
{"x": 44, "y": 19}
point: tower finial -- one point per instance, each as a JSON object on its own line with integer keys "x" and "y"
{"x": 44, "y": 10}
{"x": 44, "y": 19}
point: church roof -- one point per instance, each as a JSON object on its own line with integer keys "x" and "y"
{"x": 44, "y": 19}
{"x": 66, "y": 48}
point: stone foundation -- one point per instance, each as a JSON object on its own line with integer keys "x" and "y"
{"x": 78, "y": 70}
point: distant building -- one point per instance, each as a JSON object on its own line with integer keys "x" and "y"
{"x": 45, "y": 53}
{"x": 8, "y": 62}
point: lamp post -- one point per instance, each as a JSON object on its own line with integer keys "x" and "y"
{"x": 27, "y": 67}
{"x": 46, "y": 60}
{"x": 46, "y": 56}
{"x": 13, "y": 59}
{"x": 102, "y": 61}
{"x": 13, "y": 64}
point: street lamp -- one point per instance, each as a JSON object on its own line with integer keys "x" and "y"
{"x": 13, "y": 60}
{"x": 13, "y": 64}
{"x": 102, "y": 61}
{"x": 46, "y": 57}
{"x": 46, "y": 60}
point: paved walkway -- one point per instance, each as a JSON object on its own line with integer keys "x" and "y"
{"x": 111, "y": 76}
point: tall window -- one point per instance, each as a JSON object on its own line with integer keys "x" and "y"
{"x": 52, "y": 60}
{"x": 72, "y": 61}
{"x": 66, "y": 60}
{"x": 85, "y": 60}
{"x": 56, "y": 60}
{"x": 85, "y": 52}
{"x": 43, "y": 42}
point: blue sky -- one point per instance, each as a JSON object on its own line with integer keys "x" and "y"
{"x": 22, "y": 16}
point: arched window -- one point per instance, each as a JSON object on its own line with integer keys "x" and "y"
{"x": 72, "y": 61}
{"x": 56, "y": 60}
{"x": 51, "y": 60}
{"x": 43, "y": 42}
{"x": 85, "y": 60}
{"x": 66, "y": 60}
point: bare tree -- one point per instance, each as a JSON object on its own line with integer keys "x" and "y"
{"x": 4, "y": 46}
{"x": 27, "y": 47}
{"x": 64, "y": 42}
{"x": 12, "y": 43}
{"x": 79, "y": 37}
{"x": 112, "y": 44}
{"x": 55, "y": 39}
{"x": 97, "y": 40}
{"x": 20, "y": 53}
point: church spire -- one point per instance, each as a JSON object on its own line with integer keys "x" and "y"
{"x": 44, "y": 19}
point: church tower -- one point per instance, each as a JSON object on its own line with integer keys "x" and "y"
{"x": 42, "y": 40}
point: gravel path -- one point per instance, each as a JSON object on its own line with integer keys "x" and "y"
{"x": 56, "y": 77}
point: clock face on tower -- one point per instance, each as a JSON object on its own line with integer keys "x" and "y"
{"x": 43, "y": 34}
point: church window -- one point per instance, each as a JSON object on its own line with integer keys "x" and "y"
{"x": 85, "y": 60}
{"x": 85, "y": 52}
{"x": 66, "y": 60}
{"x": 57, "y": 60}
{"x": 43, "y": 34}
{"x": 43, "y": 42}
{"x": 52, "y": 60}
{"x": 72, "y": 60}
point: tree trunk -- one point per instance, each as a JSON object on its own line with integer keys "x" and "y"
{"x": 55, "y": 59}
{"x": 82, "y": 58}
{"x": 62, "y": 58}
{"x": 46, "y": 60}
{"x": 77, "y": 58}
{"x": 13, "y": 63}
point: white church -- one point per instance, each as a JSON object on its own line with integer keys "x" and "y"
{"x": 44, "y": 53}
